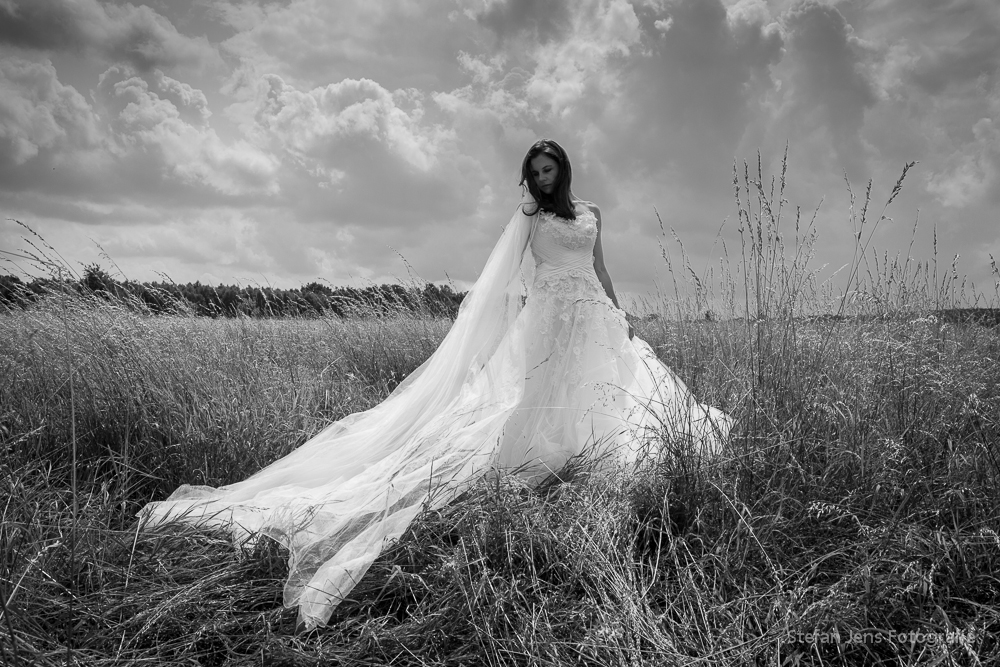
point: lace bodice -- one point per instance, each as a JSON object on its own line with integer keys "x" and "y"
{"x": 564, "y": 254}
{"x": 557, "y": 240}
{"x": 566, "y": 289}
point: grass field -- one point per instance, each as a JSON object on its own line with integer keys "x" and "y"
{"x": 853, "y": 518}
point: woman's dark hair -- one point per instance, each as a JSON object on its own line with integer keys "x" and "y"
{"x": 560, "y": 201}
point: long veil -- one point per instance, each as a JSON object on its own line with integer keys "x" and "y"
{"x": 337, "y": 499}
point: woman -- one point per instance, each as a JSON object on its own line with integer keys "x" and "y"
{"x": 517, "y": 385}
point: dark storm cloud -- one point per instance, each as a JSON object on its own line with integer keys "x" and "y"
{"x": 831, "y": 85}
{"x": 119, "y": 33}
{"x": 541, "y": 20}
{"x": 45, "y": 24}
{"x": 973, "y": 57}
{"x": 831, "y": 61}
{"x": 694, "y": 87}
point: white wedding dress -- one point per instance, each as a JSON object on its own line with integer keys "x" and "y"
{"x": 518, "y": 385}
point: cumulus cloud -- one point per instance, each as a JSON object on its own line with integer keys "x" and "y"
{"x": 565, "y": 71}
{"x": 565, "y": 50}
{"x": 38, "y": 113}
{"x": 136, "y": 35}
{"x": 149, "y": 117}
{"x": 309, "y": 43}
{"x": 185, "y": 97}
{"x": 355, "y": 126}
{"x": 496, "y": 94}
{"x": 650, "y": 99}
{"x": 307, "y": 123}
{"x": 355, "y": 139}
{"x": 397, "y": 170}
{"x": 974, "y": 171}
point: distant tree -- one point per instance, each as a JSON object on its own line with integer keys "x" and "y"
{"x": 318, "y": 288}
{"x": 98, "y": 281}
{"x": 310, "y": 300}
{"x": 14, "y": 293}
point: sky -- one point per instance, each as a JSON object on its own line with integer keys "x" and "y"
{"x": 360, "y": 141}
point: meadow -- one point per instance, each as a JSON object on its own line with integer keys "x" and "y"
{"x": 853, "y": 517}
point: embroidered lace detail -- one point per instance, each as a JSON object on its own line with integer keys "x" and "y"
{"x": 573, "y": 234}
{"x": 561, "y": 294}
{"x": 572, "y": 309}
{"x": 569, "y": 305}
{"x": 565, "y": 290}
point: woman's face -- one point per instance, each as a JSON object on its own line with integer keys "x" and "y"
{"x": 545, "y": 171}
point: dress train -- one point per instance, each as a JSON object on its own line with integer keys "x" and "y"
{"x": 515, "y": 384}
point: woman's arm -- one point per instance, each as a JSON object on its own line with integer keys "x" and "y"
{"x": 600, "y": 269}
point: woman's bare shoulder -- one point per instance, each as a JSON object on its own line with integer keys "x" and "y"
{"x": 591, "y": 206}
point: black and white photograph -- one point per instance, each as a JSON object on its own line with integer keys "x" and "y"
{"x": 499, "y": 332}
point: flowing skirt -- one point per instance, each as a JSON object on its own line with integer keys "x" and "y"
{"x": 559, "y": 379}
{"x": 590, "y": 390}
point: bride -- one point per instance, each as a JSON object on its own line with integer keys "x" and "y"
{"x": 517, "y": 384}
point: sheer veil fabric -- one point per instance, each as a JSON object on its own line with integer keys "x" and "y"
{"x": 514, "y": 384}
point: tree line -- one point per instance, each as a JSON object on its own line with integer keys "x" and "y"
{"x": 312, "y": 299}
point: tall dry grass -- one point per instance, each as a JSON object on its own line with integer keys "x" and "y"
{"x": 853, "y": 518}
